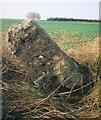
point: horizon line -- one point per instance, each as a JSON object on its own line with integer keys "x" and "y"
{"x": 54, "y": 17}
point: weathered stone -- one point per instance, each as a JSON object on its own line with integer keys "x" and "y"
{"x": 46, "y": 63}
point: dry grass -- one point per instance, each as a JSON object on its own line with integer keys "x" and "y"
{"x": 50, "y": 106}
{"x": 88, "y": 51}
{"x": 23, "y": 105}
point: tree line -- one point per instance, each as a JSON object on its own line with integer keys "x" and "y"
{"x": 71, "y": 19}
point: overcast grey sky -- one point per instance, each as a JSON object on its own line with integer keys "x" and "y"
{"x": 51, "y": 8}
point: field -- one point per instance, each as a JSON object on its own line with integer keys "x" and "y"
{"x": 6, "y": 23}
{"x": 71, "y": 34}
{"x": 79, "y": 40}
{"x": 66, "y": 34}
{"x": 74, "y": 38}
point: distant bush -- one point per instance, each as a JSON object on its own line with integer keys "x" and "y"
{"x": 33, "y": 15}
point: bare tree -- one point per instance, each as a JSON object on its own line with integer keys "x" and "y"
{"x": 38, "y": 16}
{"x": 33, "y": 16}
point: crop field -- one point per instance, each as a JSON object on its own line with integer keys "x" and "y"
{"x": 66, "y": 34}
{"x": 6, "y": 23}
{"x": 71, "y": 34}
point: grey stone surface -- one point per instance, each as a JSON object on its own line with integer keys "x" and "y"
{"x": 41, "y": 57}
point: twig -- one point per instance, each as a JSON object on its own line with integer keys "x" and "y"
{"x": 43, "y": 100}
{"x": 64, "y": 93}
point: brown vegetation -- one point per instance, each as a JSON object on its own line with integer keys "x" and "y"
{"x": 22, "y": 100}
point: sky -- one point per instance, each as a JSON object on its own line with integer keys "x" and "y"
{"x": 83, "y": 9}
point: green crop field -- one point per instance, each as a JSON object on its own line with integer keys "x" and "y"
{"x": 71, "y": 34}
{"x": 68, "y": 34}
{"x": 6, "y": 23}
